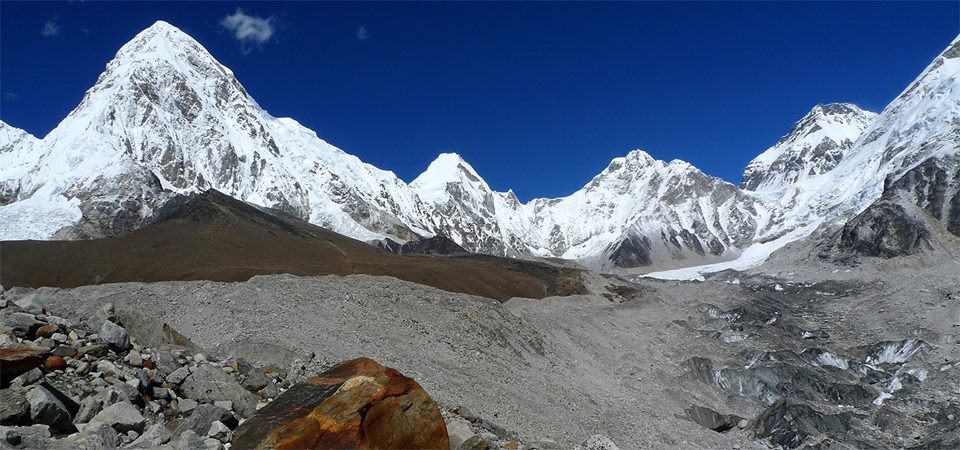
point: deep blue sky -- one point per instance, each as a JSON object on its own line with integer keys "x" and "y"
{"x": 537, "y": 96}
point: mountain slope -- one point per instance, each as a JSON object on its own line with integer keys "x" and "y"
{"x": 165, "y": 114}
{"x": 815, "y": 145}
{"x": 222, "y": 239}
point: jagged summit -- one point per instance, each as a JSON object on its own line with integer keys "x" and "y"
{"x": 813, "y": 146}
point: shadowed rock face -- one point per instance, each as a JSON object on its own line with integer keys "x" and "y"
{"x": 357, "y": 404}
{"x": 885, "y": 229}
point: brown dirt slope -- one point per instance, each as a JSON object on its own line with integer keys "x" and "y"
{"x": 216, "y": 237}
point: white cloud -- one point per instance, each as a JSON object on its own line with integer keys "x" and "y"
{"x": 50, "y": 28}
{"x": 249, "y": 30}
{"x": 362, "y": 33}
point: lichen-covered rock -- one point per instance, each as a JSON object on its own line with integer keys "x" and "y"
{"x": 357, "y": 404}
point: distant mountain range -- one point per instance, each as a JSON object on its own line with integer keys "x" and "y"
{"x": 166, "y": 119}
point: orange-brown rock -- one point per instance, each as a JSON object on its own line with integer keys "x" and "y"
{"x": 54, "y": 363}
{"x": 46, "y": 330}
{"x": 357, "y": 404}
{"x": 16, "y": 359}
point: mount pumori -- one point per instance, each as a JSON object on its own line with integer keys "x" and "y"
{"x": 166, "y": 118}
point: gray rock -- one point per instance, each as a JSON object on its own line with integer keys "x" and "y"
{"x": 30, "y": 304}
{"x": 207, "y": 383}
{"x": 100, "y": 435}
{"x": 212, "y": 444}
{"x": 155, "y": 436}
{"x": 134, "y": 359}
{"x": 177, "y": 376}
{"x": 255, "y": 380}
{"x": 160, "y": 393}
{"x": 14, "y": 408}
{"x": 225, "y": 404}
{"x": 34, "y": 436}
{"x": 189, "y": 440}
{"x": 107, "y": 368}
{"x": 115, "y": 336}
{"x": 119, "y": 392}
{"x": 271, "y": 390}
{"x": 89, "y": 407}
{"x": 186, "y": 405}
{"x": 165, "y": 362}
{"x": 22, "y": 324}
{"x": 220, "y": 432}
{"x": 122, "y": 416}
{"x": 47, "y": 409}
{"x": 203, "y": 416}
{"x": 458, "y": 431}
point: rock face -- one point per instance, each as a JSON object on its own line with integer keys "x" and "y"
{"x": 357, "y": 404}
{"x": 906, "y": 219}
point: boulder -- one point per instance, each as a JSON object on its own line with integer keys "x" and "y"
{"x": 47, "y": 409}
{"x": 14, "y": 408}
{"x": 357, "y": 404}
{"x": 30, "y": 304}
{"x": 17, "y": 359}
{"x": 115, "y": 336}
{"x": 122, "y": 416}
{"x": 255, "y": 380}
{"x": 24, "y": 325}
{"x": 100, "y": 435}
{"x": 89, "y": 407}
{"x": 26, "y": 379}
{"x": 177, "y": 376}
{"x": 203, "y": 416}
{"x": 155, "y": 436}
{"x": 189, "y": 441}
{"x": 458, "y": 431}
{"x": 207, "y": 383}
{"x": 220, "y": 432}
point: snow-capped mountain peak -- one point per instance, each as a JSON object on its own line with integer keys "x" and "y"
{"x": 447, "y": 168}
{"x": 814, "y": 146}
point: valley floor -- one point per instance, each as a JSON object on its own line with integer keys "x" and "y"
{"x": 654, "y": 369}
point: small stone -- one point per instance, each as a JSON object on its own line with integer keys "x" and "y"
{"x": 107, "y": 368}
{"x": 270, "y": 390}
{"x": 73, "y": 336}
{"x": 122, "y": 416}
{"x": 46, "y": 330}
{"x": 950, "y": 416}
{"x": 54, "y": 363}
{"x": 160, "y": 393}
{"x": 100, "y": 435}
{"x": 115, "y": 336}
{"x": 95, "y": 350}
{"x": 134, "y": 359}
{"x": 220, "y": 432}
{"x": 199, "y": 357}
{"x": 742, "y": 423}
{"x": 186, "y": 405}
{"x": 59, "y": 338}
